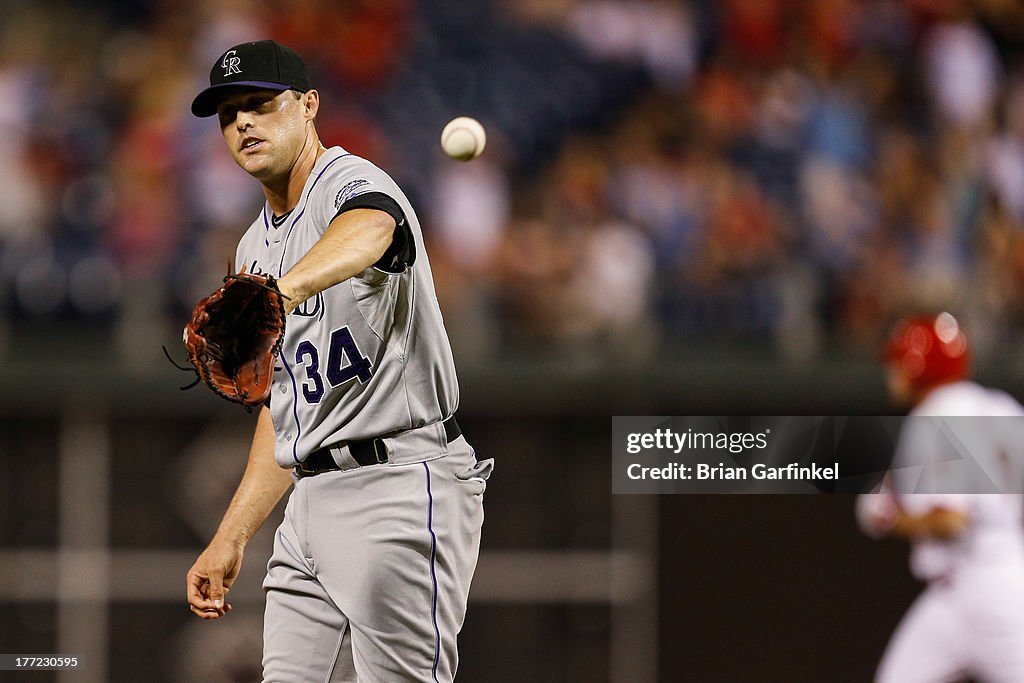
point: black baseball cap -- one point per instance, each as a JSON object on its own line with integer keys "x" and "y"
{"x": 259, "y": 64}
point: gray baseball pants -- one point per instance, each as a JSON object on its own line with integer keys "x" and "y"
{"x": 371, "y": 571}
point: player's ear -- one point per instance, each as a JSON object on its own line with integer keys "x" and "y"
{"x": 310, "y": 104}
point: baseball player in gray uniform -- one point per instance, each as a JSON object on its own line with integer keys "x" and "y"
{"x": 372, "y": 564}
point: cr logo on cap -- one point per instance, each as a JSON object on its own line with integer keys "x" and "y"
{"x": 230, "y": 63}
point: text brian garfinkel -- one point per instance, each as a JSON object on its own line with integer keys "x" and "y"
{"x": 721, "y": 471}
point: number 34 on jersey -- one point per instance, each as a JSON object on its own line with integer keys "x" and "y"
{"x": 343, "y": 363}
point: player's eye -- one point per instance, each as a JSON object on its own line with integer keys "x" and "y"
{"x": 227, "y": 115}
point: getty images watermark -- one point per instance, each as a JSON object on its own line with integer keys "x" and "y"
{"x": 772, "y": 454}
{"x": 702, "y": 455}
{"x": 825, "y": 454}
{"x": 733, "y": 443}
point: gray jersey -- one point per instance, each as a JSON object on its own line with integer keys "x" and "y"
{"x": 364, "y": 358}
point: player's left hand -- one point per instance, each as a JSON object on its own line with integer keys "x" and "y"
{"x": 288, "y": 293}
{"x": 235, "y": 335}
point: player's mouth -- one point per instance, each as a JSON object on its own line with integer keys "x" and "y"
{"x": 250, "y": 144}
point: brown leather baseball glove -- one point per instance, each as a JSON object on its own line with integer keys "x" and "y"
{"x": 235, "y": 336}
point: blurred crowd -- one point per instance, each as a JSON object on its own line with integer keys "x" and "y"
{"x": 782, "y": 174}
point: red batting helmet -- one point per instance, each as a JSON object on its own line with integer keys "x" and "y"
{"x": 929, "y": 350}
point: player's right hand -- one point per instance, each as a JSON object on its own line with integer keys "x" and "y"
{"x": 210, "y": 579}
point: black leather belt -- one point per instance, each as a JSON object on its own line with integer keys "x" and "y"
{"x": 365, "y": 451}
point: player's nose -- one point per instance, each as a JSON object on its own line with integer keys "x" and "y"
{"x": 243, "y": 121}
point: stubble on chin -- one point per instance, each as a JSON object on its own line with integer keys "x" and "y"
{"x": 259, "y": 167}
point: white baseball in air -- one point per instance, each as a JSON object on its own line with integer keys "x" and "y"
{"x": 463, "y": 138}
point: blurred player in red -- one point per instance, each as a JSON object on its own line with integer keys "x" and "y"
{"x": 959, "y": 452}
